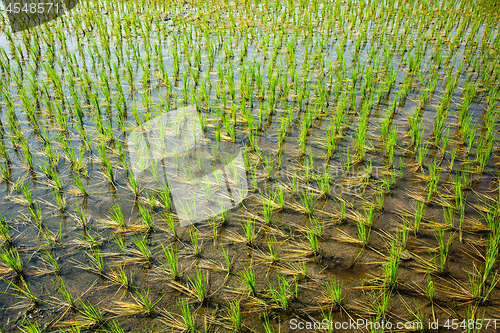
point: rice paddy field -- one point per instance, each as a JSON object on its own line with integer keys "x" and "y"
{"x": 369, "y": 137}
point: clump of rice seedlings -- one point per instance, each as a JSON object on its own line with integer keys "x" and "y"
{"x": 198, "y": 285}
{"x": 143, "y": 248}
{"x": 79, "y": 185}
{"x": 248, "y": 277}
{"x": 96, "y": 260}
{"x": 90, "y": 316}
{"x": 392, "y": 265}
{"x": 60, "y": 200}
{"x": 119, "y": 277}
{"x": 172, "y": 260}
{"x": 332, "y": 291}
{"x": 30, "y": 327}
{"x": 249, "y": 228}
{"x": 313, "y": 242}
{"x": 24, "y": 291}
{"x": 61, "y": 286}
{"x": 307, "y": 203}
{"x": 142, "y": 306}
{"x": 189, "y": 320}
{"x": 116, "y": 217}
{"x": 11, "y": 261}
{"x": 171, "y": 224}
{"x": 419, "y": 216}
{"x": 443, "y": 247}
{"x": 363, "y": 232}
{"x": 51, "y": 262}
{"x": 479, "y": 290}
{"x": 280, "y": 297}
{"x": 193, "y": 234}
{"x": 268, "y": 209}
{"x": 234, "y": 315}
{"x": 135, "y": 187}
{"x": 147, "y": 218}
{"x": 5, "y": 235}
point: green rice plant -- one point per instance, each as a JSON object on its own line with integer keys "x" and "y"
{"x": 199, "y": 285}
{"x": 368, "y": 215}
{"x": 5, "y": 235}
{"x": 27, "y": 154}
{"x": 80, "y": 186}
{"x": 307, "y": 202}
{"x": 172, "y": 260}
{"x": 114, "y": 328}
{"x": 313, "y": 242}
{"x": 333, "y": 292}
{"x": 143, "y": 248}
{"x": 23, "y": 291}
{"x": 145, "y": 306}
{"x": 443, "y": 247}
{"x": 147, "y": 218}
{"x": 419, "y": 216}
{"x": 60, "y": 200}
{"x": 267, "y": 326}
{"x": 429, "y": 287}
{"x": 280, "y": 297}
{"x": 392, "y": 265}
{"x": 116, "y": 215}
{"x": 193, "y": 233}
{"x": 27, "y": 194}
{"x": 52, "y": 262}
{"x": 91, "y": 316}
{"x": 12, "y": 260}
{"x": 363, "y": 232}
{"x": 449, "y": 216}
{"x": 234, "y": 315}
{"x": 119, "y": 277}
{"x": 5, "y": 172}
{"x": 248, "y": 277}
{"x": 171, "y": 224}
{"x": 30, "y": 327}
{"x": 61, "y": 286}
{"x": 249, "y": 228}
{"x": 342, "y": 210}
{"x": 97, "y": 262}
{"x": 189, "y": 319}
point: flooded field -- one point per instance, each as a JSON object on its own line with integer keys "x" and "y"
{"x": 251, "y": 166}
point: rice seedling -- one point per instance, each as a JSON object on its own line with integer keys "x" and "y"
{"x": 119, "y": 277}
{"x": 61, "y": 286}
{"x": 280, "y": 297}
{"x": 147, "y": 218}
{"x": 249, "y": 228}
{"x": 143, "y": 248}
{"x": 142, "y": 306}
{"x": 332, "y": 291}
{"x": 189, "y": 319}
{"x": 248, "y": 277}
{"x": 90, "y": 316}
{"x": 193, "y": 234}
{"x": 443, "y": 247}
{"x": 5, "y": 235}
{"x": 23, "y": 291}
{"x": 234, "y": 315}
{"x": 363, "y": 232}
{"x": 199, "y": 285}
{"x": 172, "y": 260}
{"x": 11, "y": 261}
